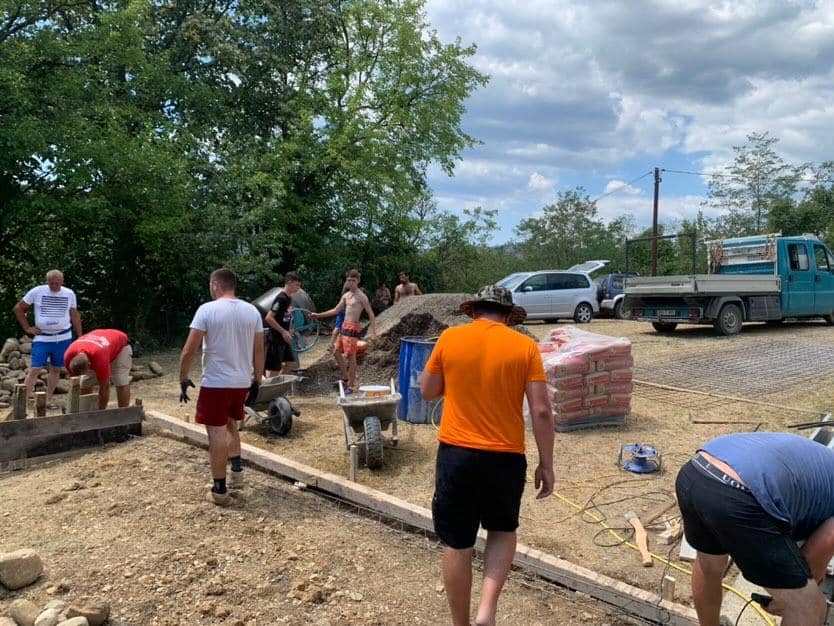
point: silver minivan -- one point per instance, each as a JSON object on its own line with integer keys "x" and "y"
{"x": 553, "y": 294}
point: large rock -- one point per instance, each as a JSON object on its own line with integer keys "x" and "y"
{"x": 9, "y": 345}
{"x": 75, "y": 621}
{"x": 7, "y": 621}
{"x": 26, "y": 348}
{"x": 95, "y": 611}
{"x": 24, "y": 612}
{"x": 49, "y": 617}
{"x": 20, "y": 568}
{"x": 156, "y": 368}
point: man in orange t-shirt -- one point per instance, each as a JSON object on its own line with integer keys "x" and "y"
{"x": 484, "y": 370}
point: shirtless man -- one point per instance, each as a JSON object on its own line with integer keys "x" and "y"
{"x": 406, "y": 288}
{"x": 353, "y": 302}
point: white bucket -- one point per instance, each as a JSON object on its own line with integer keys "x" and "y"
{"x": 374, "y": 391}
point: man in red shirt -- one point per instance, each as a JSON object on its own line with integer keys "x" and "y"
{"x": 107, "y": 353}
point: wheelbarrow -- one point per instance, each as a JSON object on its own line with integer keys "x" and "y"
{"x": 367, "y": 413}
{"x": 272, "y": 405}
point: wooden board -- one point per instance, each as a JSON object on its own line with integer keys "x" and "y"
{"x": 88, "y": 402}
{"x": 631, "y": 599}
{"x": 56, "y": 433}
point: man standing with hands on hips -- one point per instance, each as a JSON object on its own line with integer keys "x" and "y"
{"x": 230, "y": 333}
{"x": 484, "y": 370}
{"x": 56, "y": 316}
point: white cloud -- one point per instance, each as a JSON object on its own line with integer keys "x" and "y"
{"x": 581, "y": 88}
{"x": 538, "y": 182}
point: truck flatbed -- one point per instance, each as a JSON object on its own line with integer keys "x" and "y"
{"x": 703, "y": 285}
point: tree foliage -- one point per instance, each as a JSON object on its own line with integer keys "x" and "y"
{"x": 153, "y": 142}
{"x": 755, "y": 179}
{"x": 568, "y": 232}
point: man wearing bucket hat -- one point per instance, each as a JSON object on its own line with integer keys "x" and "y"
{"x": 484, "y": 370}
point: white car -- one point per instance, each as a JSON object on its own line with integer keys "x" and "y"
{"x": 553, "y": 294}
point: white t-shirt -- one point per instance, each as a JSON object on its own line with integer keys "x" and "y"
{"x": 52, "y": 312}
{"x": 231, "y": 326}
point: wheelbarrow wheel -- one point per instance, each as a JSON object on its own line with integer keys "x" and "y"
{"x": 280, "y": 416}
{"x": 373, "y": 442}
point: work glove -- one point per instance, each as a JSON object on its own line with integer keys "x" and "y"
{"x": 184, "y": 385}
{"x": 253, "y": 393}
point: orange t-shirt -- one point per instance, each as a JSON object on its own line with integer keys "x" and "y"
{"x": 485, "y": 367}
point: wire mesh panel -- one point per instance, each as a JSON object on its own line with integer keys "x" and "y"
{"x": 750, "y": 371}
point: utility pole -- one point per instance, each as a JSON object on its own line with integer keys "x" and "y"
{"x": 654, "y": 220}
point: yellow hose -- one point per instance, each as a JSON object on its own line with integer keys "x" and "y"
{"x": 765, "y": 617}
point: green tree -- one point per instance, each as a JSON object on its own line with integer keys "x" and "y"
{"x": 569, "y": 232}
{"x": 757, "y": 177}
{"x": 814, "y": 213}
{"x": 153, "y": 142}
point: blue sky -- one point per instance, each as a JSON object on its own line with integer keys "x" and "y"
{"x": 597, "y": 93}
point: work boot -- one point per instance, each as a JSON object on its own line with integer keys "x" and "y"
{"x": 234, "y": 480}
{"x": 220, "y": 499}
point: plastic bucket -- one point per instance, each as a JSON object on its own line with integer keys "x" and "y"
{"x": 374, "y": 391}
{"x": 414, "y": 352}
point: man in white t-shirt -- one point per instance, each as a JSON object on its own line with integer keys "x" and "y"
{"x": 56, "y": 316}
{"x": 230, "y": 333}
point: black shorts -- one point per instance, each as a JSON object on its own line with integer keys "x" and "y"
{"x": 719, "y": 518}
{"x": 475, "y": 487}
{"x": 277, "y": 353}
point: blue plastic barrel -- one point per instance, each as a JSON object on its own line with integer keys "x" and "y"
{"x": 414, "y": 352}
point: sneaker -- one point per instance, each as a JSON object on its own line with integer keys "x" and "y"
{"x": 220, "y": 499}
{"x": 234, "y": 480}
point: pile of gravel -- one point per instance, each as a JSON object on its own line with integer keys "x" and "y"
{"x": 414, "y": 316}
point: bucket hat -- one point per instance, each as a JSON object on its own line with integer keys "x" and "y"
{"x": 496, "y": 295}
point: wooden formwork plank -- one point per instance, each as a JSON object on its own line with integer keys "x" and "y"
{"x": 40, "y": 404}
{"x": 19, "y": 402}
{"x": 18, "y": 438}
{"x": 88, "y": 402}
{"x": 636, "y": 601}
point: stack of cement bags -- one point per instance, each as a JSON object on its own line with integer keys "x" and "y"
{"x": 588, "y": 377}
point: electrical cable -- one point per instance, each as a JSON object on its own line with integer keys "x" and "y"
{"x": 666, "y": 561}
{"x": 746, "y": 604}
{"x": 621, "y": 187}
{"x": 716, "y": 175}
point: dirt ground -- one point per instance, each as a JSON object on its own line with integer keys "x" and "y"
{"x": 129, "y": 523}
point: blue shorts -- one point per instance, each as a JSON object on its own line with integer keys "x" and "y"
{"x": 49, "y": 351}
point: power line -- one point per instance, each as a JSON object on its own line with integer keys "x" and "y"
{"x": 623, "y": 186}
{"x": 716, "y": 175}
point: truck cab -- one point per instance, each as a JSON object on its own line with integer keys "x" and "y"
{"x": 807, "y": 268}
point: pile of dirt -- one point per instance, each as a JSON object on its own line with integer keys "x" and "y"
{"x": 415, "y": 316}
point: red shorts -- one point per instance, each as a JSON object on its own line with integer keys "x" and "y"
{"x": 348, "y": 338}
{"x": 217, "y": 405}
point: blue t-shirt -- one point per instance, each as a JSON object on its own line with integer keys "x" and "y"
{"x": 340, "y": 318}
{"x": 792, "y": 477}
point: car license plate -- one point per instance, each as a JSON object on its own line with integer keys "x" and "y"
{"x": 667, "y": 313}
